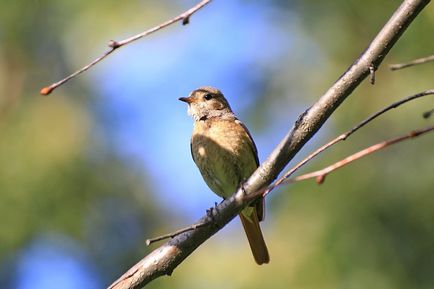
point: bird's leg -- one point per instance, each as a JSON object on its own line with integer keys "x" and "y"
{"x": 210, "y": 213}
{"x": 243, "y": 190}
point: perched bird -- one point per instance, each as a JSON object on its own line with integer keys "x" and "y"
{"x": 226, "y": 156}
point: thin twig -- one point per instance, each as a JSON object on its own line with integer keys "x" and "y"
{"x": 412, "y": 63}
{"x": 176, "y": 233}
{"x": 302, "y": 163}
{"x": 321, "y": 174}
{"x": 344, "y": 136}
{"x": 113, "y": 45}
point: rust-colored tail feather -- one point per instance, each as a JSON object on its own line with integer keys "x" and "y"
{"x": 256, "y": 240}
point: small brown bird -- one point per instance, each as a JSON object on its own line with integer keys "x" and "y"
{"x": 226, "y": 156}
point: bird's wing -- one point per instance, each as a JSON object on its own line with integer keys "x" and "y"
{"x": 260, "y": 204}
{"x": 252, "y": 143}
{"x": 191, "y": 150}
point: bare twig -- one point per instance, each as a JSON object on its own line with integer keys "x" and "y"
{"x": 412, "y": 63}
{"x": 344, "y": 136}
{"x": 302, "y": 163}
{"x": 163, "y": 260}
{"x": 387, "y": 108}
{"x": 176, "y": 233}
{"x": 321, "y": 174}
{"x": 113, "y": 45}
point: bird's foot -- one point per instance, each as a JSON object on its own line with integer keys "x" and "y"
{"x": 212, "y": 212}
{"x": 243, "y": 190}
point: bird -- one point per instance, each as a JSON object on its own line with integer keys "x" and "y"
{"x": 226, "y": 155}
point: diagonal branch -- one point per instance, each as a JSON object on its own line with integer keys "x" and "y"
{"x": 343, "y": 137}
{"x": 321, "y": 174}
{"x": 113, "y": 45}
{"x": 412, "y": 63}
{"x": 163, "y": 260}
{"x": 176, "y": 233}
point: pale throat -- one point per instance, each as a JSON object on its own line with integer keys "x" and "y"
{"x": 204, "y": 114}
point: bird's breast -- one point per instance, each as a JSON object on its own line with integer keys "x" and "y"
{"x": 223, "y": 154}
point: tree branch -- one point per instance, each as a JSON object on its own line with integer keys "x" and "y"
{"x": 113, "y": 45}
{"x": 412, "y": 63}
{"x": 176, "y": 233}
{"x": 321, "y": 174}
{"x": 163, "y": 260}
{"x": 343, "y": 137}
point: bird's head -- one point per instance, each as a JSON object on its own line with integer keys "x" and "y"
{"x": 207, "y": 102}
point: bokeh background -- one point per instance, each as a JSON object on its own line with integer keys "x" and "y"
{"x": 91, "y": 171}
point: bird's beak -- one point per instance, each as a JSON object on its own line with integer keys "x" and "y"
{"x": 186, "y": 99}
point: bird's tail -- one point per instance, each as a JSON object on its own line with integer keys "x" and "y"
{"x": 249, "y": 219}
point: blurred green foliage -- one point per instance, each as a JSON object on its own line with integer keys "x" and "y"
{"x": 369, "y": 226}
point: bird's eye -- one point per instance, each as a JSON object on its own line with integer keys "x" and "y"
{"x": 208, "y": 96}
